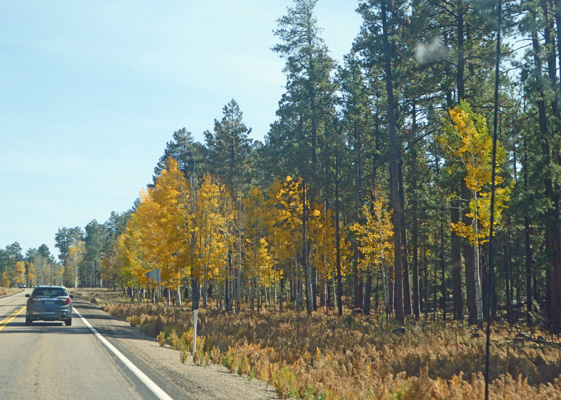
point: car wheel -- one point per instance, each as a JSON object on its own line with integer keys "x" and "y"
{"x": 68, "y": 322}
{"x": 28, "y": 321}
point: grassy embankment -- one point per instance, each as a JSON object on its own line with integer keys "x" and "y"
{"x": 8, "y": 291}
{"x": 354, "y": 357}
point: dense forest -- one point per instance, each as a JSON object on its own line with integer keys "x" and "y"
{"x": 378, "y": 188}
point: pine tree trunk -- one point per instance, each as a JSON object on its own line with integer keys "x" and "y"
{"x": 368, "y": 294}
{"x": 552, "y": 233}
{"x": 426, "y": 284}
{"x": 455, "y": 242}
{"x": 507, "y": 286}
{"x": 529, "y": 262}
{"x": 357, "y": 282}
{"x": 443, "y": 270}
{"x": 415, "y": 233}
{"x": 407, "y": 309}
{"x": 555, "y": 229}
{"x": 394, "y": 171}
{"x": 338, "y": 239}
{"x": 239, "y": 279}
{"x": 305, "y": 261}
{"x": 227, "y": 298}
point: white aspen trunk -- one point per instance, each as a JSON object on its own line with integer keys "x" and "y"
{"x": 326, "y": 294}
{"x": 386, "y": 291}
{"x": 239, "y": 286}
{"x": 205, "y": 287}
{"x": 477, "y": 279}
{"x": 477, "y": 273}
{"x": 195, "y": 315}
{"x": 275, "y": 288}
{"x": 253, "y": 284}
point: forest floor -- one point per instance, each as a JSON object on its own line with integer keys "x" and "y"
{"x": 325, "y": 356}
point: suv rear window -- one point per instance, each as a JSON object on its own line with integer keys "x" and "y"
{"x": 49, "y": 292}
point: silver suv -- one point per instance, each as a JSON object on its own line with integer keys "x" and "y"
{"x": 49, "y": 303}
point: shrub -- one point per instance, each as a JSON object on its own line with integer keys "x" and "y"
{"x": 174, "y": 340}
{"x": 286, "y": 383}
{"x": 162, "y": 339}
{"x": 183, "y": 356}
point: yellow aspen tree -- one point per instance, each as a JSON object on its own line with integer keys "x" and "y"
{"x": 210, "y": 247}
{"x": 60, "y": 276}
{"x": 109, "y": 271}
{"x": 150, "y": 237}
{"x": 266, "y": 272}
{"x": 19, "y": 272}
{"x": 324, "y": 248}
{"x": 228, "y": 215}
{"x": 375, "y": 240}
{"x": 276, "y": 238}
{"x": 468, "y": 147}
{"x": 289, "y": 201}
{"x": 74, "y": 258}
{"x": 254, "y": 206}
{"x": 174, "y": 219}
{"x": 129, "y": 256}
{"x": 30, "y": 274}
{"x": 164, "y": 223}
{"x": 283, "y": 234}
{"x": 5, "y": 279}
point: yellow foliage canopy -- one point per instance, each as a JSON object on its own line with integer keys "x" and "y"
{"x": 375, "y": 235}
{"x": 469, "y": 148}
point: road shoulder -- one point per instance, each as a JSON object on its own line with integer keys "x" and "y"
{"x": 213, "y": 382}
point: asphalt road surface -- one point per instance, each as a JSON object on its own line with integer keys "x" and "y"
{"x": 49, "y": 360}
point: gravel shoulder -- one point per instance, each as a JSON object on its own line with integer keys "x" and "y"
{"x": 213, "y": 382}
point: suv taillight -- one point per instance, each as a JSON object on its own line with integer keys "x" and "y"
{"x": 66, "y": 300}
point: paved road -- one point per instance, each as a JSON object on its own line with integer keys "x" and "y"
{"x": 53, "y": 361}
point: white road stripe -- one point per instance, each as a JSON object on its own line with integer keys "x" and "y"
{"x": 133, "y": 368}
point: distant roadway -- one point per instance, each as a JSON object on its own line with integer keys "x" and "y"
{"x": 53, "y": 361}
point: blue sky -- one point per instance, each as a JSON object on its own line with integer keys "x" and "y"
{"x": 91, "y": 91}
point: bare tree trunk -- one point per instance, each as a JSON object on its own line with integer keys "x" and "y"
{"x": 239, "y": 279}
{"x": 368, "y": 294}
{"x": 305, "y": 261}
{"x": 338, "y": 238}
{"x": 473, "y": 283}
{"x": 357, "y": 281}
{"x": 552, "y": 234}
{"x": 443, "y": 270}
{"x": 456, "y": 264}
{"x": 407, "y": 309}
{"x": 394, "y": 171}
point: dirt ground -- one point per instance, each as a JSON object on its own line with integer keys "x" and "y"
{"x": 213, "y": 382}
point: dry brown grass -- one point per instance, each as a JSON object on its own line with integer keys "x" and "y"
{"x": 328, "y": 357}
{"x": 8, "y": 291}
